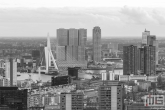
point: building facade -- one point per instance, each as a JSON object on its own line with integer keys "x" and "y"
{"x": 13, "y": 98}
{"x": 145, "y": 34}
{"x": 130, "y": 60}
{"x": 60, "y": 80}
{"x": 71, "y": 101}
{"x": 140, "y": 61}
{"x": 11, "y": 71}
{"x": 96, "y": 44}
{"x": 71, "y": 47}
{"x": 150, "y": 40}
{"x": 4, "y": 82}
{"x": 110, "y": 96}
{"x": 149, "y": 60}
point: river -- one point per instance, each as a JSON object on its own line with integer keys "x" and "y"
{"x": 45, "y": 78}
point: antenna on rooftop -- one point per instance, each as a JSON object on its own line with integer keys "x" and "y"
{"x": 145, "y": 30}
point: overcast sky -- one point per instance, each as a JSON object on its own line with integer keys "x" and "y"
{"x": 115, "y": 17}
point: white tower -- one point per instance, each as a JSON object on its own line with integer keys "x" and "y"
{"x": 49, "y": 59}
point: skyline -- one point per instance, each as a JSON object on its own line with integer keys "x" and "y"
{"x": 115, "y": 18}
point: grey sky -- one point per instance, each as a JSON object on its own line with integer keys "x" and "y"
{"x": 114, "y": 21}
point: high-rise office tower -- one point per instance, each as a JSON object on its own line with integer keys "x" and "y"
{"x": 148, "y": 40}
{"x": 82, "y": 38}
{"x": 148, "y": 54}
{"x": 140, "y": 61}
{"x": 71, "y": 101}
{"x": 110, "y": 96}
{"x": 144, "y": 37}
{"x": 146, "y": 60}
{"x": 62, "y": 37}
{"x": 149, "y": 60}
{"x": 96, "y": 44}
{"x": 151, "y": 39}
{"x": 71, "y": 47}
{"x": 73, "y": 37}
{"x": 130, "y": 60}
{"x": 11, "y": 71}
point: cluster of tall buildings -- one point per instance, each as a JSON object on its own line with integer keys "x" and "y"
{"x": 141, "y": 59}
{"x": 71, "y": 45}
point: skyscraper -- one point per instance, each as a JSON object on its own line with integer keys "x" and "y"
{"x": 149, "y": 60}
{"x": 73, "y": 37}
{"x": 144, "y": 37}
{"x": 151, "y": 39}
{"x": 96, "y": 44}
{"x": 148, "y": 40}
{"x": 140, "y": 60}
{"x": 71, "y": 47}
{"x": 11, "y": 71}
{"x": 148, "y": 54}
{"x": 110, "y": 96}
{"x": 146, "y": 60}
{"x": 62, "y": 37}
{"x": 130, "y": 63}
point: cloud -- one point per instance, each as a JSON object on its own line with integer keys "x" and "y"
{"x": 143, "y": 16}
{"x": 159, "y": 16}
{"x": 108, "y": 18}
{"x": 58, "y": 15}
{"x": 137, "y": 16}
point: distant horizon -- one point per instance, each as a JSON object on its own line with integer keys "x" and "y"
{"x": 88, "y": 37}
{"x": 114, "y": 17}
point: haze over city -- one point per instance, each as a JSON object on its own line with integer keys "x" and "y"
{"x": 116, "y": 18}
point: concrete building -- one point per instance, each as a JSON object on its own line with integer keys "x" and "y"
{"x": 82, "y": 37}
{"x": 146, "y": 60}
{"x": 2, "y": 63}
{"x": 13, "y": 98}
{"x": 110, "y": 96}
{"x": 150, "y": 40}
{"x": 11, "y": 71}
{"x": 96, "y": 44}
{"x": 71, "y": 48}
{"x": 130, "y": 60}
{"x": 149, "y": 60}
{"x": 34, "y": 100}
{"x": 4, "y": 82}
{"x": 61, "y": 53}
{"x": 62, "y": 37}
{"x": 126, "y": 78}
{"x": 50, "y": 100}
{"x": 71, "y": 101}
{"x": 108, "y": 76}
{"x": 140, "y": 106}
{"x": 73, "y": 37}
{"x": 144, "y": 37}
{"x": 140, "y": 61}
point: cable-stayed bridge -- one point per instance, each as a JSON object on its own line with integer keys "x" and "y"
{"x": 47, "y": 64}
